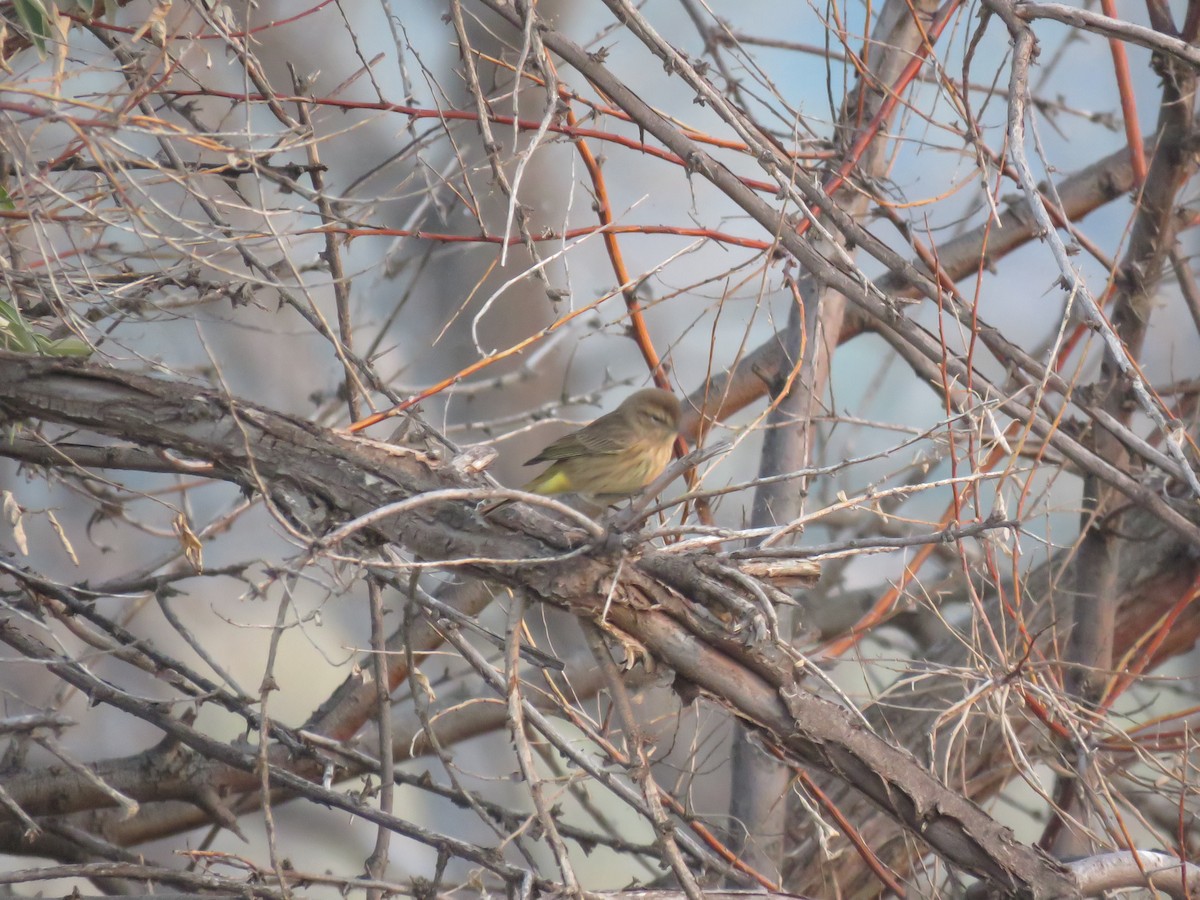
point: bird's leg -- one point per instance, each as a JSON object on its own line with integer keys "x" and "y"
{"x": 633, "y": 650}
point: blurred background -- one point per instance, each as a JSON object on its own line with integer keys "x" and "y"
{"x": 212, "y": 192}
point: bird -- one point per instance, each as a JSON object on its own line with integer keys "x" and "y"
{"x": 615, "y": 456}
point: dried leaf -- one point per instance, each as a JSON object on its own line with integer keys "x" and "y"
{"x": 62, "y": 536}
{"x": 13, "y": 514}
{"x": 5, "y": 66}
{"x": 192, "y": 548}
{"x": 12, "y": 509}
{"x": 422, "y": 681}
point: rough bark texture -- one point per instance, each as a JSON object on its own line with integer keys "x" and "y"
{"x": 320, "y": 481}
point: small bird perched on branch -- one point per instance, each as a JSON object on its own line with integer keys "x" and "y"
{"x": 613, "y": 457}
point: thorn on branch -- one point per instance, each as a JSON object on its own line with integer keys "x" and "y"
{"x": 210, "y": 802}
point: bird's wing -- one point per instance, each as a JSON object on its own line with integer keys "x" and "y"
{"x": 586, "y": 441}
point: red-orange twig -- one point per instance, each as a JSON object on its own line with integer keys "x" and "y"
{"x": 417, "y": 112}
{"x": 720, "y": 237}
{"x": 637, "y": 321}
{"x": 98, "y": 21}
{"x": 715, "y": 844}
{"x": 467, "y": 371}
{"x": 888, "y": 106}
{"x": 851, "y": 833}
{"x": 1133, "y": 131}
{"x": 1145, "y": 651}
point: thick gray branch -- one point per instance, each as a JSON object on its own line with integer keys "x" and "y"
{"x": 317, "y": 479}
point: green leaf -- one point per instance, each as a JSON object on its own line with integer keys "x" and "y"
{"x": 36, "y": 20}
{"x": 17, "y": 336}
{"x": 68, "y": 346}
{"x": 14, "y": 332}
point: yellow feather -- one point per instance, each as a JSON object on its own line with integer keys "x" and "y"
{"x": 552, "y": 481}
